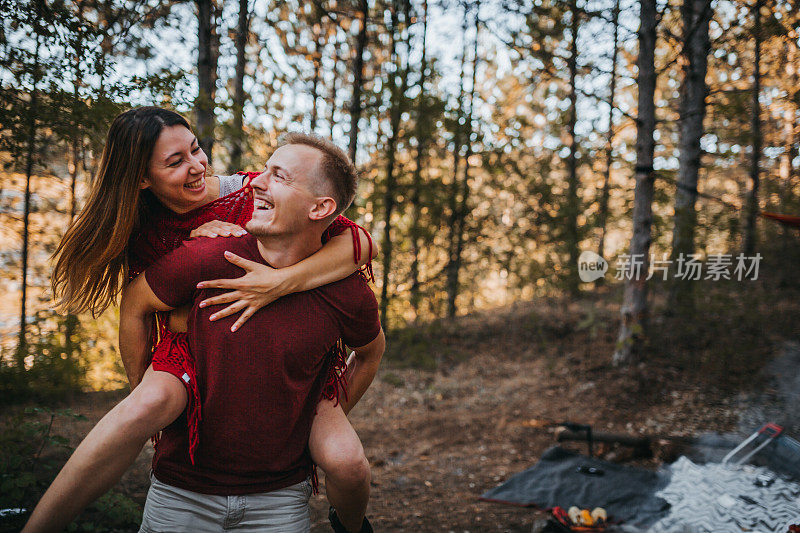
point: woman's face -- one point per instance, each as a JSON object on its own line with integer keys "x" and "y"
{"x": 177, "y": 170}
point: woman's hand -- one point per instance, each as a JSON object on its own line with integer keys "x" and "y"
{"x": 261, "y": 285}
{"x": 217, "y": 228}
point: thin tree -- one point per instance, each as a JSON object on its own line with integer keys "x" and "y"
{"x": 207, "y": 58}
{"x": 316, "y": 29}
{"x": 696, "y": 15}
{"x": 457, "y": 147}
{"x": 397, "y": 93}
{"x": 358, "y": 78}
{"x": 634, "y": 305}
{"x": 22, "y": 346}
{"x": 422, "y": 147}
{"x": 242, "y": 33}
{"x": 572, "y": 202}
{"x": 790, "y": 146}
{"x": 602, "y": 214}
{"x": 458, "y": 221}
{"x": 71, "y": 320}
{"x": 752, "y": 197}
{"x": 332, "y": 94}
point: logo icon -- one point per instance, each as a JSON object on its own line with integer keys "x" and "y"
{"x": 591, "y": 266}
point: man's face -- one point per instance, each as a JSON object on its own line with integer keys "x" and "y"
{"x": 283, "y": 192}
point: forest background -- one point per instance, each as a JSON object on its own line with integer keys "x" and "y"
{"x": 497, "y": 140}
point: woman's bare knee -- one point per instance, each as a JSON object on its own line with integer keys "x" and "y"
{"x": 154, "y": 404}
{"x": 344, "y": 462}
{"x": 336, "y": 448}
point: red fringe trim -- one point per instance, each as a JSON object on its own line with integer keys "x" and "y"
{"x": 366, "y": 270}
{"x": 157, "y": 329}
{"x": 335, "y": 385}
{"x": 337, "y": 380}
{"x": 172, "y": 355}
{"x": 314, "y": 479}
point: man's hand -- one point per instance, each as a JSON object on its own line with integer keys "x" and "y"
{"x": 362, "y": 369}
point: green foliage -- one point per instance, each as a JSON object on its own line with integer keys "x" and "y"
{"x": 32, "y": 455}
{"x": 415, "y": 347}
{"x": 392, "y": 379}
{"x": 52, "y": 371}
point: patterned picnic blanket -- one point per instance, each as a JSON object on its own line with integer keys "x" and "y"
{"x": 722, "y": 498}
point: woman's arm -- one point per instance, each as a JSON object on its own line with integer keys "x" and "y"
{"x": 136, "y": 308}
{"x": 361, "y": 370}
{"x": 262, "y": 285}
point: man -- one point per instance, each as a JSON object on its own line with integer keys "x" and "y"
{"x": 260, "y": 387}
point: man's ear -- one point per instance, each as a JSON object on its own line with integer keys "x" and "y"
{"x": 144, "y": 184}
{"x": 324, "y": 207}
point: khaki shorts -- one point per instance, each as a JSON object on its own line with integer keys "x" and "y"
{"x": 169, "y": 509}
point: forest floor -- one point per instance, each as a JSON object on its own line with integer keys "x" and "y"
{"x": 459, "y": 406}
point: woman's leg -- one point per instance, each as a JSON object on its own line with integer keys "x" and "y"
{"x": 109, "y": 449}
{"x": 336, "y": 448}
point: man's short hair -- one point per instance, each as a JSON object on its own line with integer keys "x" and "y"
{"x": 335, "y": 167}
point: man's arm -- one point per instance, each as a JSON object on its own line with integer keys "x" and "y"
{"x": 361, "y": 370}
{"x": 136, "y": 308}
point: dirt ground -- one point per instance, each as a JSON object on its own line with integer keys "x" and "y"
{"x": 437, "y": 439}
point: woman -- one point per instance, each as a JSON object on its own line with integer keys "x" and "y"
{"x": 151, "y": 194}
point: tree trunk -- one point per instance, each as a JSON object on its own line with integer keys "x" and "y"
{"x": 242, "y": 32}
{"x": 603, "y": 209}
{"x": 316, "y": 80}
{"x": 696, "y": 15}
{"x": 634, "y": 304}
{"x": 71, "y": 320}
{"x": 572, "y": 202}
{"x": 391, "y": 153}
{"x": 358, "y": 80}
{"x": 22, "y": 346}
{"x": 207, "y": 56}
{"x": 422, "y": 146}
{"x": 454, "y": 264}
{"x": 790, "y": 151}
{"x": 454, "y": 188}
{"x": 332, "y": 95}
{"x": 752, "y": 200}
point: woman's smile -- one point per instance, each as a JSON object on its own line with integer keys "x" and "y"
{"x": 196, "y": 185}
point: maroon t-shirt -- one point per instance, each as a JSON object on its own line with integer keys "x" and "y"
{"x": 259, "y": 386}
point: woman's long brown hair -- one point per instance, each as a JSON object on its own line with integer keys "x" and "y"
{"x": 91, "y": 260}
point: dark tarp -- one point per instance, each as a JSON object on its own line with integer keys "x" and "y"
{"x": 626, "y": 493}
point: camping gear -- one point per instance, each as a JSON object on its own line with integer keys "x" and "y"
{"x": 557, "y": 480}
{"x": 577, "y": 432}
{"x": 753, "y": 444}
{"x": 782, "y": 456}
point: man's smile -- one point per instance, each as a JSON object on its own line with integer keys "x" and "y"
{"x": 260, "y": 203}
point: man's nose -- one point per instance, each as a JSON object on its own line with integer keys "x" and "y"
{"x": 261, "y": 181}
